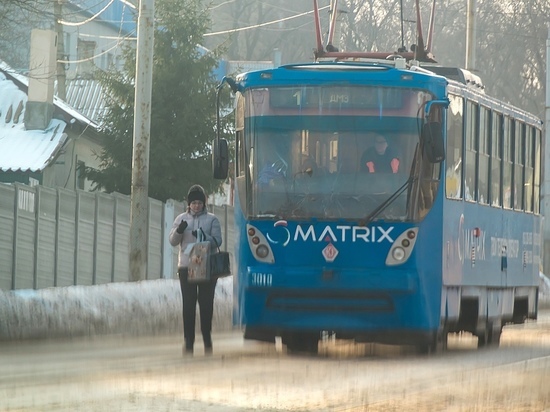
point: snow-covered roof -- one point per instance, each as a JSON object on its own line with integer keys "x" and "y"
{"x": 29, "y": 150}
{"x": 70, "y": 112}
{"x": 20, "y": 149}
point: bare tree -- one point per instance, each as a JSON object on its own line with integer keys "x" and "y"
{"x": 511, "y": 36}
{"x": 511, "y": 51}
{"x": 17, "y": 18}
{"x": 270, "y": 25}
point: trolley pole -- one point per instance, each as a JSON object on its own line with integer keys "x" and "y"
{"x": 139, "y": 197}
{"x": 546, "y": 169}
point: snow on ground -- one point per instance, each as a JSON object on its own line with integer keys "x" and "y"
{"x": 133, "y": 308}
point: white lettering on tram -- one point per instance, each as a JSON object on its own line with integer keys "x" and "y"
{"x": 261, "y": 279}
{"x": 476, "y": 243}
{"x": 471, "y": 245}
{"x": 498, "y": 244}
{"x": 376, "y": 234}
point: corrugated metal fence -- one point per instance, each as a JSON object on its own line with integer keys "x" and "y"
{"x": 57, "y": 237}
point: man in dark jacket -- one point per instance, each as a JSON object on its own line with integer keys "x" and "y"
{"x": 380, "y": 157}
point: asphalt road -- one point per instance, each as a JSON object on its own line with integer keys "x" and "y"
{"x": 118, "y": 373}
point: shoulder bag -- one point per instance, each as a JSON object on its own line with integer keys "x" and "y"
{"x": 219, "y": 263}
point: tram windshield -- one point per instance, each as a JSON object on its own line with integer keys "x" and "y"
{"x": 333, "y": 156}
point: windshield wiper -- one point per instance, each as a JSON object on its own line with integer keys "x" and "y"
{"x": 386, "y": 202}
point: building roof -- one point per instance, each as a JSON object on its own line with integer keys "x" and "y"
{"x": 86, "y": 97}
{"x": 21, "y": 149}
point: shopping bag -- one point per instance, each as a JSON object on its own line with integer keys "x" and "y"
{"x": 198, "y": 269}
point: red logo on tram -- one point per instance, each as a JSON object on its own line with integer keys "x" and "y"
{"x": 330, "y": 253}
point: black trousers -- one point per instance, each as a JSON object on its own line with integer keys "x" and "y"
{"x": 203, "y": 292}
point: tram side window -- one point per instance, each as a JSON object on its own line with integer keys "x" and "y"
{"x": 240, "y": 148}
{"x": 507, "y": 167}
{"x": 240, "y": 167}
{"x": 495, "y": 159}
{"x": 484, "y": 155}
{"x": 536, "y": 187}
{"x": 471, "y": 151}
{"x": 453, "y": 173}
{"x": 529, "y": 168}
{"x": 518, "y": 166}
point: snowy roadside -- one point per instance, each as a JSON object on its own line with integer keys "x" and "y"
{"x": 133, "y": 308}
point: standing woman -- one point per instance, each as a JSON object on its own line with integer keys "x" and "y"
{"x": 184, "y": 232}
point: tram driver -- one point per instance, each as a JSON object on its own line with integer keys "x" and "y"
{"x": 380, "y": 157}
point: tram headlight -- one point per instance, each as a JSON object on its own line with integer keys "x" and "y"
{"x": 398, "y": 253}
{"x": 402, "y": 248}
{"x": 262, "y": 251}
{"x": 259, "y": 245}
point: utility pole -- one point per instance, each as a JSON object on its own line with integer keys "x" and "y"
{"x": 139, "y": 197}
{"x": 61, "y": 75}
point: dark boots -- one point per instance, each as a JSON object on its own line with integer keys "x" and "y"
{"x": 207, "y": 339}
{"x": 187, "y": 349}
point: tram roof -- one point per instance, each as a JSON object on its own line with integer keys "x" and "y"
{"x": 317, "y": 72}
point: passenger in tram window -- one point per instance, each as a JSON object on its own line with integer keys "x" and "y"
{"x": 380, "y": 157}
{"x": 270, "y": 172}
{"x": 308, "y": 167}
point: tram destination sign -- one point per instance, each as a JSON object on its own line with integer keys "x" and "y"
{"x": 350, "y": 97}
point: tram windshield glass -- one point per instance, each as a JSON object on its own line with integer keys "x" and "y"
{"x": 332, "y": 152}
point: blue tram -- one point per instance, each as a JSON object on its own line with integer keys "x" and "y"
{"x": 445, "y": 239}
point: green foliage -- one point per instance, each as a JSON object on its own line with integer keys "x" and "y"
{"x": 183, "y": 110}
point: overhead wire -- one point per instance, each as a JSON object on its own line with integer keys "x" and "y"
{"x": 119, "y": 41}
{"x": 262, "y": 24}
{"x": 74, "y": 24}
{"x": 129, "y": 36}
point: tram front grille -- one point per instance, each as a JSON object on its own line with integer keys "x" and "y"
{"x": 330, "y": 301}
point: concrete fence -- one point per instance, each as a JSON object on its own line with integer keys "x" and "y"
{"x": 57, "y": 237}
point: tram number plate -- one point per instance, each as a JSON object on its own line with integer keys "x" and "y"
{"x": 262, "y": 279}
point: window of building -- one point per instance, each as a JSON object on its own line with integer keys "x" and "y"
{"x": 80, "y": 179}
{"x": 107, "y": 60}
{"x": 85, "y": 57}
